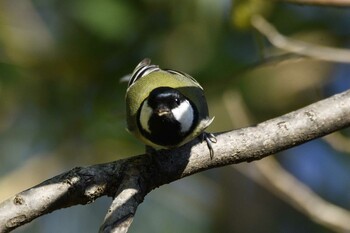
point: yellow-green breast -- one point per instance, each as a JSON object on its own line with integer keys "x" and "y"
{"x": 140, "y": 90}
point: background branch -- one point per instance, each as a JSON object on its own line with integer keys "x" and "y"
{"x": 337, "y": 3}
{"x": 272, "y": 176}
{"x": 84, "y": 185}
{"x": 299, "y": 47}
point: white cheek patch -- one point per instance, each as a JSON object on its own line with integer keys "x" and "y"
{"x": 145, "y": 115}
{"x": 184, "y": 114}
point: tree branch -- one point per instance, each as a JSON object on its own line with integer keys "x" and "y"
{"x": 129, "y": 180}
{"x": 272, "y": 176}
{"x": 336, "y": 3}
{"x": 121, "y": 213}
{"x": 299, "y": 47}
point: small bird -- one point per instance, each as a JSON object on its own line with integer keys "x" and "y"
{"x": 166, "y": 108}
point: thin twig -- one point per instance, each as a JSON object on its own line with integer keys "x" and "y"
{"x": 335, "y": 3}
{"x": 299, "y": 47}
{"x": 280, "y": 182}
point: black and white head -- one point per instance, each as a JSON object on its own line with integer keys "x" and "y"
{"x": 167, "y": 117}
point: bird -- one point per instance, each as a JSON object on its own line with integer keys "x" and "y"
{"x": 166, "y": 108}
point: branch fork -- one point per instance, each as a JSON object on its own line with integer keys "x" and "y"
{"x": 130, "y": 180}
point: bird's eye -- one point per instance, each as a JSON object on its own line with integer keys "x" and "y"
{"x": 177, "y": 101}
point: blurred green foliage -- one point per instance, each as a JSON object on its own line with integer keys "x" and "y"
{"x": 60, "y": 96}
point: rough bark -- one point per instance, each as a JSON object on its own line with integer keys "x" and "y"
{"x": 129, "y": 180}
